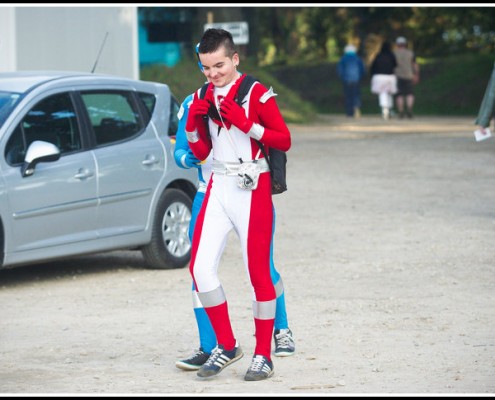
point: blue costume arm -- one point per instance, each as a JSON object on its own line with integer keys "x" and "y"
{"x": 183, "y": 155}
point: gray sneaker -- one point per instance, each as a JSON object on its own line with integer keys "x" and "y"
{"x": 219, "y": 359}
{"x": 284, "y": 342}
{"x": 260, "y": 368}
{"x": 194, "y": 362}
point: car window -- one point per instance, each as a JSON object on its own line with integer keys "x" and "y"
{"x": 149, "y": 101}
{"x": 173, "y": 124}
{"x": 8, "y": 101}
{"x": 113, "y": 115}
{"x": 51, "y": 120}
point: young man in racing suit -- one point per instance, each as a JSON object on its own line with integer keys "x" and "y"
{"x": 235, "y": 198}
{"x": 284, "y": 342}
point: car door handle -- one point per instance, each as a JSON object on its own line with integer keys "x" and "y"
{"x": 83, "y": 173}
{"x": 150, "y": 160}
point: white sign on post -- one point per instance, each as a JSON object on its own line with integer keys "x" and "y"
{"x": 238, "y": 30}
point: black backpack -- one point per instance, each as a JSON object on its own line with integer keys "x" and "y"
{"x": 277, "y": 159}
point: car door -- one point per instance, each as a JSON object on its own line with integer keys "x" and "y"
{"x": 130, "y": 161}
{"x": 53, "y": 210}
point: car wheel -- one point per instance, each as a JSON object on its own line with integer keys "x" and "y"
{"x": 170, "y": 246}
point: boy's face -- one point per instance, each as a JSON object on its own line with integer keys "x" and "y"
{"x": 218, "y": 67}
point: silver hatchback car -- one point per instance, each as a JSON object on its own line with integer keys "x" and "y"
{"x": 86, "y": 165}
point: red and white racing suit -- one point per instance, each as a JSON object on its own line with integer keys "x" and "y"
{"x": 227, "y": 207}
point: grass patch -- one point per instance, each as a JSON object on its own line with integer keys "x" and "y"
{"x": 452, "y": 85}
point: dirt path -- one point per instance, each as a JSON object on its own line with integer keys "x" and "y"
{"x": 385, "y": 241}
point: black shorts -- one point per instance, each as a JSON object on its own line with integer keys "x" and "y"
{"x": 404, "y": 86}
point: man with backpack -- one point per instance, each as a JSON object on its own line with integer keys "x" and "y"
{"x": 238, "y": 196}
{"x": 283, "y": 338}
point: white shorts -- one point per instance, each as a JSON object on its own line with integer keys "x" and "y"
{"x": 381, "y": 83}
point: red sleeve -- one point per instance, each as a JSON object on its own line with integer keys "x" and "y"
{"x": 202, "y": 147}
{"x": 267, "y": 114}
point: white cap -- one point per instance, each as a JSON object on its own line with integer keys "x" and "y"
{"x": 401, "y": 40}
{"x": 350, "y": 48}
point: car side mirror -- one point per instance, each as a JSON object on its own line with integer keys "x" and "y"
{"x": 38, "y": 151}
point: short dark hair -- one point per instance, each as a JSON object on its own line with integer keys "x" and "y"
{"x": 214, "y": 38}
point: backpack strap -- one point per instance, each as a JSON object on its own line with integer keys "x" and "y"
{"x": 244, "y": 88}
{"x": 202, "y": 92}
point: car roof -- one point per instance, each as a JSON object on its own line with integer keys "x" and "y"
{"x": 23, "y": 81}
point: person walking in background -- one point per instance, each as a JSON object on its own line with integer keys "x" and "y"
{"x": 238, "y": 197}
{"x": 487, "y": 107}
{"x": 407, "y": 72}
{"x": 383, "y": 79}
{"x": 351, "y": 71}
{"x": 284, "y": 341}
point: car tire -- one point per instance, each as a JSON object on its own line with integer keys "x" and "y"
{"x": 170, "y": 246}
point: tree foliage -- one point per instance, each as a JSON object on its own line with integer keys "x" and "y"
{"x": 320, "y": 33}
{"x": 282, "y": 35}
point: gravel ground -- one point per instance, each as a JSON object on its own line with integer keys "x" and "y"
{"x": 385, "y": 241}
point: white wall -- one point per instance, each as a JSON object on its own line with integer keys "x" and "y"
{"x": 7, "y": 39}
{"x": 69, "y": 38}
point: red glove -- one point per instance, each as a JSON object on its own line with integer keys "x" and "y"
{"x": 197, "y": 110}
{"x": 233, "y": 112}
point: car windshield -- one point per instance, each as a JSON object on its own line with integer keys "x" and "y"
{"x": 8, "y": 100}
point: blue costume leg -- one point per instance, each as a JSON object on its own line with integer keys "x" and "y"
{"x": 207, "y": 337}
{"x": 281, "y": 321}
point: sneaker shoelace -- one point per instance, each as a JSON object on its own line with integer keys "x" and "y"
{"x": 216, "y": 352}
{"x": 284, "y": 339}
{"x": 257, "y": 363}
{"x": 198, "y": 353}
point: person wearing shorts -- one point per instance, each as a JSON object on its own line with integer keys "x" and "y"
{"x": 407, "y": 73}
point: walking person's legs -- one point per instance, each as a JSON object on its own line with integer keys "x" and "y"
{"x": 399, "y": 102}
{"x": 385, "y": 101}
{"x": 209, "y": 239}
{"x": 356, "y": 100}
{"x": 348, "y": 99}
{"x": 207, "y": 338}
{"x": 410, "y": 104}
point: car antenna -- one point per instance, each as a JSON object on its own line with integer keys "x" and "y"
{"x": 99, "y": 53}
